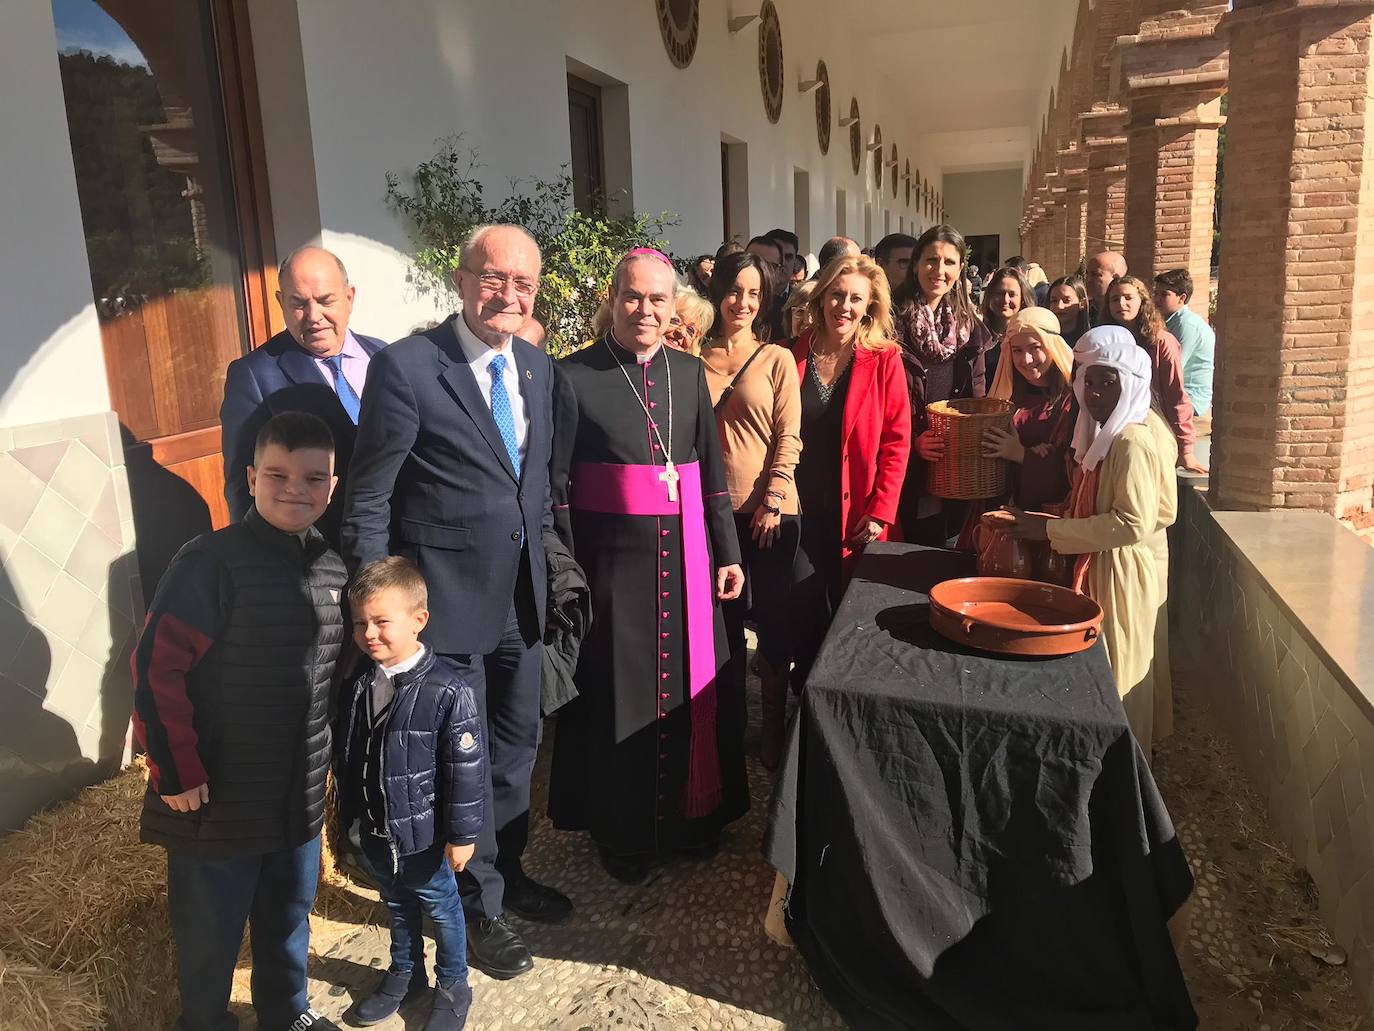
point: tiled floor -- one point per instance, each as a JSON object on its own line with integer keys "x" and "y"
{"x": 687, "y": 951}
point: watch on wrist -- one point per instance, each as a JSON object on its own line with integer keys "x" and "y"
{"x": 772, "y": 509}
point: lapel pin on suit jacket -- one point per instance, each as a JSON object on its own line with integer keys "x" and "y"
{"x": 529, "y": 374}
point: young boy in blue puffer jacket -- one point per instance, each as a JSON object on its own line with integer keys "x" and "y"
{"x": 409, "y": 761}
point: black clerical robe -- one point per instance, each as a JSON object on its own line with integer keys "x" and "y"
{"x": 623, "y": 761}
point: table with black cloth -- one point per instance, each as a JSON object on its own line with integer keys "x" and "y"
{"x": 973, "y": 841}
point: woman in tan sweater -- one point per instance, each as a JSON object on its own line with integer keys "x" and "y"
{"x": 758, "y": 414}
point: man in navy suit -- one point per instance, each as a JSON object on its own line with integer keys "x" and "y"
{"x": 451, "y": 470}
{"x": 317, "y": 365}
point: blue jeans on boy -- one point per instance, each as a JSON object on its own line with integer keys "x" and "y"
{"x": 425, "y": 882}
{"x": 209, "y": 900}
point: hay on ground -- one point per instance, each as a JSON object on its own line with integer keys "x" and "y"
{"x": 83, "y": 915}
{"x": 81, "y": 898}
{"x": 38, "y": 998}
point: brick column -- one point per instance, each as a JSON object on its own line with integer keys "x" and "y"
{"x": 1171, "y": 188}
{"x": 1035, "y": 239}
{"x": 1294, "y": 403}
{"x": 1104, "y": 140}
{"x": 1052, "y": 256}
{"x": 1171, "y": 74}
{"x": 1185, "y": 198}
{"x": 1073, "y": 167}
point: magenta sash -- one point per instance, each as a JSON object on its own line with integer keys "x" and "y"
{"x": 636, "y": 490}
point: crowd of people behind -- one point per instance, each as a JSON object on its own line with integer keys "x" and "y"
{"x": 592, "y": 544}
{"x": 1009, "y": 334}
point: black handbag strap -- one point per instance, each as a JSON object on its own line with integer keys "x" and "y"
{"x": 725, "y": 394}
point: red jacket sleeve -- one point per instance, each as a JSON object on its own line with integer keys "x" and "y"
{"x": 1177, "y": 405}
{"x": 187, "y": 614}
{"x": 894, "y": 441}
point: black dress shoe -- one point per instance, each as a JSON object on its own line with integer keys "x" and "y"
{"x": 530, "y": 900}
{"x": 625, "y": 869}
{"x": 496, "y": 950}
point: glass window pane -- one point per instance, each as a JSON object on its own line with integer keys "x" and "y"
{"x": 146, "y": 120}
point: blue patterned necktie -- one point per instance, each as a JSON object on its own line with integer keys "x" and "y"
{"x": 347, "y": 397}
{"x": 500, "y": 410}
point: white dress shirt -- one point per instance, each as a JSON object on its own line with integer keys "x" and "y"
{"x": 354, "y": 365}
{"x": 383, "y": 681}
{"x": 479, "y": 357}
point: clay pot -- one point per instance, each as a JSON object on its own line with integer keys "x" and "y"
{"x": 1050, "y": 566}
{"x": 1014, "y": 617}
{"x": 1000, "y": 554}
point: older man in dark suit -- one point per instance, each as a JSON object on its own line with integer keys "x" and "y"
{"x": 317, "y": 365}
{"x": 451, "y": 470}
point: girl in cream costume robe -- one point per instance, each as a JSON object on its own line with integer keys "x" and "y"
{"x": 1136, "y": 500}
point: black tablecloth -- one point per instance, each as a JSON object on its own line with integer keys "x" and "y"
{"x": 973, "y": 841}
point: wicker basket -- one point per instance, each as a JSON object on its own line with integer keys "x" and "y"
{"x": 964, "y": 474}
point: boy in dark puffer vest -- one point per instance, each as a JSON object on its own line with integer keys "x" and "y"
{"x": 410, "y": 764}
{"x": 233, "y": 678}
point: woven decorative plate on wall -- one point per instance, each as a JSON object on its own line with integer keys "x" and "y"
{"x": 680, "y": 23}
{"x": 770, "y": 60}
{"x": 856, "y": 137}
{"x": 892, "y": 163}
{"x": 878, "y": 158}
{"x": 907, "y": 179}
{"x": 823, "y": 117}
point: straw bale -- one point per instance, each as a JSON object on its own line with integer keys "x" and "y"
{"x": 81, "y": 897}
{"x": 38, "y": 999}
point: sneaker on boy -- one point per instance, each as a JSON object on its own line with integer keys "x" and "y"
{"x": 232, "y": 690}
{"x": 410, "y": 764}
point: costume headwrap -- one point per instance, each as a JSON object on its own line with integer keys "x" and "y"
{"x": 1114, "y": 347}
{"x": 1042, "y": 324}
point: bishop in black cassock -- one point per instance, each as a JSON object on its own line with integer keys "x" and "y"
{"x": 649, "y": 758}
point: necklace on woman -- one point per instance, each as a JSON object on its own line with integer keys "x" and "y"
{"x": 670, "y": 474}
{"x": 825, "y": 390}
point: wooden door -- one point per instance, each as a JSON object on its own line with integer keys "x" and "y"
{"x": 584, "y": 129}
{"x": 162, "y": 111}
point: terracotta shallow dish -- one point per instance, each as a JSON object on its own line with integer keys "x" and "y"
{"x": 1014, "y": 617}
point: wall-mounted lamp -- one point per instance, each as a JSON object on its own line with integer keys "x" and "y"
{"x": 807, "y": 85}
{"x": 876, "y": 146}
{"x": 743, "y": 21}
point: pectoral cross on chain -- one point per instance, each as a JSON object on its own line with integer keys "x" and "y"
{"x": 670, "y": 477}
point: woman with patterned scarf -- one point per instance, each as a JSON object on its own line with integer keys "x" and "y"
{"x": 1125, "y": 496}
{"x": 942, "y": 355}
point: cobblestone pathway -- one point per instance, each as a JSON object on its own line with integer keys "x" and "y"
{"x": 687, "y": 951}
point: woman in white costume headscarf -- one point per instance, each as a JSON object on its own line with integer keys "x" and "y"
{"x": 1125, "y": 496}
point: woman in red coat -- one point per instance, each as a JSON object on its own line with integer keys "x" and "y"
{"x": 856, "y": 438}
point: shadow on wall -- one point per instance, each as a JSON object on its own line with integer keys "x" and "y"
{"x": 60, "y": 734}
{"x": 71, "y": 609}
{"x": 167, "y": 512}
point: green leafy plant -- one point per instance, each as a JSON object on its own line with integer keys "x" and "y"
{"x": 444, "y": 200}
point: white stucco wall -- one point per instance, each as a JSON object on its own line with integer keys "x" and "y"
{"x": 51, "y": 363}
{"x": 982, "y": 203}
{"x": 384, "y": 81}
